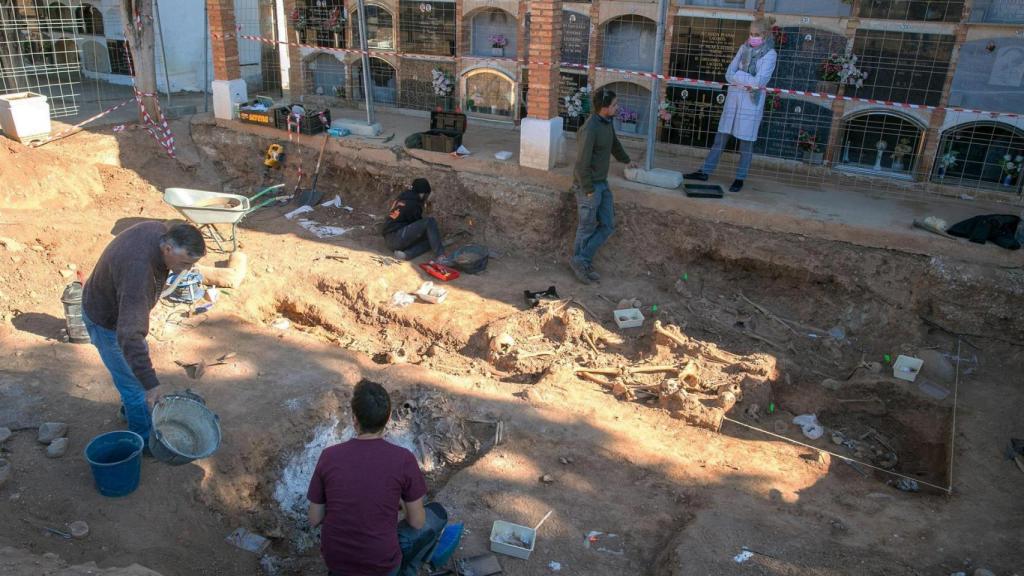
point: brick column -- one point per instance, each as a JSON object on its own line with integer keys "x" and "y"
{"x": 228, "y": 86}
{"x": 541, "y": 134}
{"x": 931, "y": 144}
{"x": 834, "y": 147}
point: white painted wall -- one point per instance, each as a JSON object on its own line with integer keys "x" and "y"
{"x": 183, "y": 27}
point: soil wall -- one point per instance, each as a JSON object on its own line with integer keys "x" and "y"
{"x": 514, "y": 211}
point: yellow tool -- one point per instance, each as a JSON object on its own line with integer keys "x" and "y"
{"x": 274, "y": 156}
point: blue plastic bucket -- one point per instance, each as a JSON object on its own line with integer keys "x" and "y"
{"x": 116, "y": 462}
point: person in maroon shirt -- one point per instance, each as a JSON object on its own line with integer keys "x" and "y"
{"x": 357, "y": 491}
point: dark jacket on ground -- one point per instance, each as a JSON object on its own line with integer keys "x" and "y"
{"x": 999, "y": 229}
{"x": 405, "y": 210}
{"x": 123, "y": 289}
{"x": 596, "y": 142}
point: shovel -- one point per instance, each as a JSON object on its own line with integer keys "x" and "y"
{"x": 313, "y": 196}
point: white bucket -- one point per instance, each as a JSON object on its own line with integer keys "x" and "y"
{"x": 25, "y": 116}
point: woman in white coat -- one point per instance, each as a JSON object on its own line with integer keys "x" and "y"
{"x": 753, "y": 66}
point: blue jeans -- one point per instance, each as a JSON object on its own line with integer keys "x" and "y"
{"x": 746, "y": 155}
{"x": 417, "y": 544}
{"x": 133, "y": 395}
{"x": 596, "y": 222}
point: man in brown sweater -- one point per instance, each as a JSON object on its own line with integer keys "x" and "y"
{"x": 596, "y": 143}
{"x": 118, "y": 297}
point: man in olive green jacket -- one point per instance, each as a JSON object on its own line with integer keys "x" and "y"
{"x": 596, "y": 142}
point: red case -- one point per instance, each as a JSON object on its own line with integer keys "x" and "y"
{"x": 440, "y": 271}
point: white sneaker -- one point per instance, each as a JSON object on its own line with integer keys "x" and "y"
{"x": 400, "y": 255}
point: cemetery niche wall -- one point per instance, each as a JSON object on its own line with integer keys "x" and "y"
{"x": 990, "y": 75}
{"x": 489, "y": 92}
{"x": 702, "y": 48}
{"x": 493, "y": 34}
{"x": 881, "y": 142}
{"x": 902, "y": 66}
{"x": 998, "y": 11}
{"x": 383, "y": 77}
{"x": 427, "y": 27}
{"x": 802, "y": 52}
{"x": 629, "y": 43}
{"x": 825, "y": 8}
{"x": 975, "y": 153}
{"x": 783, "y": 122}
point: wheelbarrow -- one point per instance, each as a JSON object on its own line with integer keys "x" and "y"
{"x": 207, "y": 209}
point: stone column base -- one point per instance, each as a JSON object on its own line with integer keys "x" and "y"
{"x": 226, "y": 93}
{"x": 540, "y": 142}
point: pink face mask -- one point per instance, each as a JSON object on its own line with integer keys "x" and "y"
{"x": 755, "y": 42}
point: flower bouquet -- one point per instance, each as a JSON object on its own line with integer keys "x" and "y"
{"x": 1011, "y": 167}
{"x": 498, "y": 43}
{"x": 627, "y": 118}
{"x": 902, "y": 150}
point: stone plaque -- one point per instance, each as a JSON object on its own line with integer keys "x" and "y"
{"x": 927, "y": 10}
{"x": 416, "y": 89}
{"x": 801, "y": 52}
{"x": 902, "y": 66}
{"x": 1001, "y": 11}
{"x": 427, "y": 27}
{"x": 827, "y": 8}
{"x": 703, "y": 47}
{"x": 696, "y": 120}
{"x": 568, "y": 84}
{"x": 783, "y": 119}
{"x": 575, "y": 38}
{"x": 990, "y": 79}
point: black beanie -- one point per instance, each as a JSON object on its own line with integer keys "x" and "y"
{"x": 421, "y": 186}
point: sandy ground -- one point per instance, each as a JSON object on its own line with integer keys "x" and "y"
{"x": 681, "y": 499}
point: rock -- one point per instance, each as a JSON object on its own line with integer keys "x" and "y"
{"x": 546, "y": 479}
{"x": 50, "y": 431}
{"x": 78, "y": 529}
{"x": 11, "y": 244}
{"x": 5, "y": 433}
{"x": 5, "y": 471}
{"x": 66, "y": 273}
{"x": 983, "y": 572}
{"x": 57, "y": 448}
{"x": 831, "y": 384}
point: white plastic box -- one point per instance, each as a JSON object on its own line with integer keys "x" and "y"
{"x": 25, "y": 116}
{"x": 907, "y": 367}
{"x": 505, "y": 534}
{"x": 629, "y": 318}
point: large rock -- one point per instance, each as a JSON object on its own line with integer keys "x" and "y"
{"x": 57, "y": 448}
{"x": 50, "y": 431}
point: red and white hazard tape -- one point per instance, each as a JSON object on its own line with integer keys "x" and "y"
{"x": 673, "y": 79}
{"x": 68, "y": 131}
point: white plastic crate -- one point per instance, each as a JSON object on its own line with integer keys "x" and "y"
{"x": 504, "y": 536}
{"x": 25, "y": 116}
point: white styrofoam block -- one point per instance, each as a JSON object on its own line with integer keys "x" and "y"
{"x": 358, "y": 127}
{"x": 24, "y": 116}
{"x": 540, "y": 142}
{"x": 227, "y": 93}
{"x": 657, "y": 177}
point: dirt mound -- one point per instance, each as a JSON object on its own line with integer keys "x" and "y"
{"x": 32, "y": 178}
{"x": 15, "y": 562}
